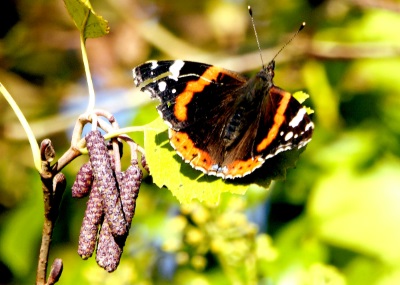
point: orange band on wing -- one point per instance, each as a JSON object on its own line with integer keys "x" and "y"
{"x": 201, "y": 159}
{"x": 279, "y": 118}
{"x": 240, "y": 168}
{"x": 192, "y": 87}
{"x": 187, "y": 150}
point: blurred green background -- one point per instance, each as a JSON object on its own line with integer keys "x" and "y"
{"x": 334, "y": 220}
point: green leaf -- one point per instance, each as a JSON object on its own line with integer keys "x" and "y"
{"x": 301, "y": 96}
{"x": 168, "y": 169}
{"x": 86, "y": 20}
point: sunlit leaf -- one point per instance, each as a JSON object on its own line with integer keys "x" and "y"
{"x": 86, "y": 20}
{"x": 301, "y": 97}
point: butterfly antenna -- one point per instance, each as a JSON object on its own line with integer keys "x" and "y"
{"x": 255, "y": 32}
{"x": 291, "y": 39}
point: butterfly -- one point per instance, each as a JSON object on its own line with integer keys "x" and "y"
{"x": 219, "y": 121}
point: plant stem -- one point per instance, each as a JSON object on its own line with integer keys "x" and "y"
{"x": 92, "y": 97}
{"x": 47, "y": 231}
{"x": 25, "y": 125}
{"x": 65, "y": 159}
{"x": 53, "y": 187}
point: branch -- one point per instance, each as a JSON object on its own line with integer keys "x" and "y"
{"x": 53, "y": 187}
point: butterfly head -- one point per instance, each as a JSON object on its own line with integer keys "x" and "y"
{"x": 270, "y": 69}
{"x": 267, "y": 73}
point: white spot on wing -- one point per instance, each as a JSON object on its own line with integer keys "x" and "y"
{"x": 297, "y": 119}
{"x": 175, "y": 69}
{"x": 154, "y": 65}
{"x": 162, "y": 85}
{"x": 310, "y": 125}
{"x": 288, "y": 136}
{"x": 135, "y": 77}
{"x": 222, "y": 175}
{"x": 224, "y": 169}
{"x": 303, "y": 143}
{"x": 198, "y": 168}
{"x": 214, "y": 167}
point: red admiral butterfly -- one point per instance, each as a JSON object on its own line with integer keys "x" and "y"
{"x": 219, "y": 121}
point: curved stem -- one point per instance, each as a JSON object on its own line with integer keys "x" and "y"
{"x": 118, "y": 132}
{"x": 25, "y": 125}
{"x": 65, "y": 159}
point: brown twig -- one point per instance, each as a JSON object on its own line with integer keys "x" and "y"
{"x": 53, "y": 187}
{"x": 47, "y": 155}
{"x": 47, "y": 232}
{"x": 66, "y": 158}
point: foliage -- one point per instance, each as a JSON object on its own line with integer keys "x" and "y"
{"x": 332, "y": 221}
{"x": 88, "y": 23}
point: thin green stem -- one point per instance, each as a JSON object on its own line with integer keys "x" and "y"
{"x": 122, "y": 131}
{"x": 25, "y": 125}
{"x": 92, "y": 97}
